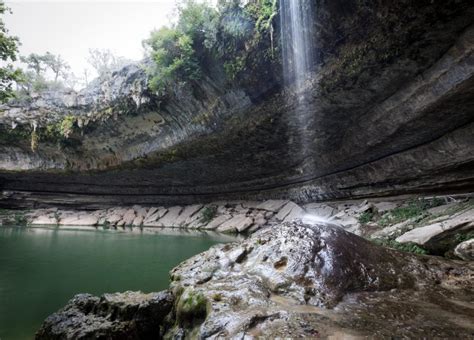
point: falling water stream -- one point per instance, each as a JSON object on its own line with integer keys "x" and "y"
{"x": 297, "y": 40}
{"x": 297, "y": 22}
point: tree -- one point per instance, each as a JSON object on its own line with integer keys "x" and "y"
{"x": 86, "y": 75}
{"x": 34, "y": 62}
{"x": 174, "y": 57}
{"x": 41, "y": 67}
{"x": 57, "y": 65}
{"x": 9, "y": 75}
{"x": 48, "y": 61}
{"x": 104, "y": 61}
{"x": 71, "y": 80}
{"x": 173, "y": 49}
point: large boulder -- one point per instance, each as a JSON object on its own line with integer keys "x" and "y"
{"x": 465, "y": 250}
{"x": 300, "y": 280}
{"x": 129, "y": 315}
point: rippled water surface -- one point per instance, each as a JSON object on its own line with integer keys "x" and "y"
{"x": 41, "y": 269}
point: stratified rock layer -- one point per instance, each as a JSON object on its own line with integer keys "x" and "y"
{"x": 388, "y": 110}
{"x": 300, "y": 280}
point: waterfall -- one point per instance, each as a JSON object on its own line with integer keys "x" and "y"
{"x": 297, "y": 43}
{"x": 297, "y": 40}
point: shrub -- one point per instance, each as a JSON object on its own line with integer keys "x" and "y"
{"x": 413, "y": 209}
{"x": 12, "y": 217}
{"x": 208, "y": 214}
{"x": 366, "y": 217}
{"x": 460, "y": 237}
{"x": 9, "y": 74}
{"x": 20, "y": 219}
{"x": 405, "y": 247}
{"x": 66, "y": 126}
{"x": 191, "y": 307}
{"x": 174, "y": 58}
{"x": 217, "y": 297}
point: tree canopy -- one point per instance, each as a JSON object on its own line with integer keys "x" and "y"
{"x": 8, "y": 54}
{"x": 38, "y": 65}
{"x": 225, "y": 33}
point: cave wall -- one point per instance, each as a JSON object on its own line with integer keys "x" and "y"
{"x": 388, "y": 110}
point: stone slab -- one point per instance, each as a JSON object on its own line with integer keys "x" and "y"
{"x": 188, "y": 212}
{"x": 272, "y": 205}
{"x": 170, "y": 218}
{"x": 79, "y": 220}
{"x": 238, "y": 223}
{"x": 423, "y": 235}
{"x": 216, "y": 222}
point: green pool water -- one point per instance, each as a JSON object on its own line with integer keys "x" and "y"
{"x": 41, "y": 269}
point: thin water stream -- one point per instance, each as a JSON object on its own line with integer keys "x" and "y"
{"x": 297, "y": 40}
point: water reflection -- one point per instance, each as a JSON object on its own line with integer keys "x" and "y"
{"x": 41, "y": 268}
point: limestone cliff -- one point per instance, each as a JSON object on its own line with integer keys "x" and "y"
{"x": 389, "y": 109}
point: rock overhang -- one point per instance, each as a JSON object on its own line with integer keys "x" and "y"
{"x": 396, "y": 126}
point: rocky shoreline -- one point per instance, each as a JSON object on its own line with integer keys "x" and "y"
{"x": 330, "y": 270}
{"x": 442, "y": 225}
{"x": 290, "y": 280}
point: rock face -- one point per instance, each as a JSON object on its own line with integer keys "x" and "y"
{"x": 465, "y": 250}
{"x": 388, "y": 111}
{"x": 129, "y": 315}
{"x": 294, "y": 280}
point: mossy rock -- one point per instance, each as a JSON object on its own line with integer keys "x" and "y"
{"x": 191, "y": 307}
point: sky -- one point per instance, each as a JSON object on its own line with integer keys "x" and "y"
{"x": 70, "y": 28}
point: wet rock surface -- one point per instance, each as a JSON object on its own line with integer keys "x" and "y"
{"x": 129, "y": 315}
{"x": 297, "y": 280}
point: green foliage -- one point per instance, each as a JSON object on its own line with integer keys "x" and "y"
{"x": 34, "y": 62}
{"x": 414, "y": 209}
{"x": 60, "y": 130}
{"x": 243, "y": 29}
{"x": 11, "y": 136}
{"x": 208, "y": 214}
{"x": 366, "y": 217}
{"x": 460, "y": 237}
{"x": 226, "y": 34}
{"x": 35, "y": 79}
{"x": 13, "y": 217}
{"x": 217, "y": 297}
{"x": 264, "y": 11}
{"x": 172, "y": 49}
{"x": 198, "y": 21}
{"x": 191, "y": 306}
{"x": 40, "y": 63}
{"x": 174, "y": 58}
{"x": 405, "y": 247}
{"x": 232, "y": 68}
{"x": 58, "y": 133}
{"x": 66, "y": 126}
{"x": 9, "y": 75}
{"x": 20, "y": 219}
